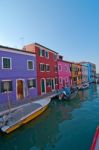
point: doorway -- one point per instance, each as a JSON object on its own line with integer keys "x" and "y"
{"x": 53, "y": 84}
{"x": 43, "y": 86}
{"x": 20, "y": 89}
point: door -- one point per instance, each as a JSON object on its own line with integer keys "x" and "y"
{"x": 43, "y": 86}
{"x": 53, "y": 84}
{"x": 20, "y": 89}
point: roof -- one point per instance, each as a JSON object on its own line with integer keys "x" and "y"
{"x": 65, "y": 61}
{"x": 87, "y": 63}
{"x": 45, "y": 47}
{"x": 14, "y": 49}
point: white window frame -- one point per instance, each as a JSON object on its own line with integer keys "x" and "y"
{"x": 49, "y": 67}
{"x": 59, "y": 69}
{"x": 40, "y": 67}
{"x": 55, "y": 57}
{"x": 42, "y": 52}
{"x": 50, "y": 81}
{"x": 6, "y": 91}
{"x": 32, "y": 64}
{"x": 10, "y": 63}
{"x": 36, "y": 83}
{"x": 48, "y": 54}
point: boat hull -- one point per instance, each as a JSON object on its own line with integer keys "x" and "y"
{"x": 26, "y": 120}
{"x": 95, "y": 143}
{"x": 64, "y": 97}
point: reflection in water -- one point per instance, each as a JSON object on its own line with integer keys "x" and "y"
{"x": 53, "y": 128}
{"x": 41, "y": 132}
{"x": 88, "y": 93}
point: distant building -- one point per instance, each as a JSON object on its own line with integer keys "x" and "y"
{"x": 91, "y": 71}
{"x": 97, "y": 77}
{"x": 64, "y": 73}
{"x": 74, "y": 73}
{"x": 47, "y": 73}
{"x": 84, "y": 73}
{"x": 79, "y": 74}
{"x": 18, "y": 78}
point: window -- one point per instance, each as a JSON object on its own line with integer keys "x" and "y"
{"x": 59, "y": 67}
{"x": 42, "y": 67}
{"x": 54, "y": 56}
{"x": 56, "y": 69}
{"x": 75, "y": 78}
{"x": 60, "y": 80}
{"x": 47, "y": 67}
{"x": 30, "y": 65}
{"x": 6, "y": 63}
{"x": 48, "y": 82}
{"x": 66, "y": 79}
{"x": 65, "y": 68}
{"x": 79, "y": 77}
{"x": 56, "y": 80}
{"x": 47, "y": 54}
{"x": 31, "y": 83}
{"x": 6, "y": 86}
{"x": 41, "y": 52}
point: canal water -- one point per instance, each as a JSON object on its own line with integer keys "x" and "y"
{"x": 65, "y": 125}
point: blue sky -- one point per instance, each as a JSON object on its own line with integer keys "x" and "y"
{"x": 70, "y": 27}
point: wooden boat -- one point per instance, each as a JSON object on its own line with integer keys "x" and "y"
{"x": 95, "y": 143}
{"x": 24, "y": 115}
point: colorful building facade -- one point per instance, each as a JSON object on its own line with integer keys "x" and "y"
{"x": 84, "y": 73}
{"x": 74, "y": 73}
{"x": 18, "y": 78}
{"x": 64, "y": 73}
{"x": 79, "y": 74}
{"x": 91, "y": 71}
{"x": 47, "y": 73}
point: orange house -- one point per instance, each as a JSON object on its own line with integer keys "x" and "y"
{"x": 74, "y": 73}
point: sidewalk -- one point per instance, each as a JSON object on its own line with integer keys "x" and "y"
{"x": 49, "y": 95}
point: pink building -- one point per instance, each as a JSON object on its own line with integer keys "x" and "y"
{"x": 64, "y": 73}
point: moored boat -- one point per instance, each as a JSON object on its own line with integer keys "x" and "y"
{"x": 24, "y": 115}
{"x": 84, "y": 86}
{"x": 64, "y": 95}
{"x": 95, "y": 143}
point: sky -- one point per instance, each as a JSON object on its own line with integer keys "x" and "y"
{"x": 69, "y": 27}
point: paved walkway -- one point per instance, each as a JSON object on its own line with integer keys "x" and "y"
{"x": 5, "y": 110}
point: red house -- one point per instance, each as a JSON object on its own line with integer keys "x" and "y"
{"x": 47, "y": 73}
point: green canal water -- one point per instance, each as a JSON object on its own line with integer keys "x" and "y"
{"x": 65, "y": 125}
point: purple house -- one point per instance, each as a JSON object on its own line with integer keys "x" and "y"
{"x": 18, "y": 78}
